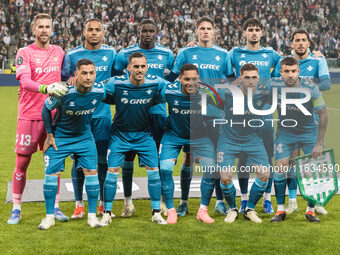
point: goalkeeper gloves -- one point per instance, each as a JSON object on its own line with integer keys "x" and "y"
{"x": 57, "y": 89}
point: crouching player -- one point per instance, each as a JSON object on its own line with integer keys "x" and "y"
{"x": 238, "y": 139}
{"x": 72, "y": 135}
{"x": 302, "y": 130}
{"x": 184, "y": 130}
{"x": 133, "y": 95}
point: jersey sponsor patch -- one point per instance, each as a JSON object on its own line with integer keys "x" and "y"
{"x": 20, "y": 60}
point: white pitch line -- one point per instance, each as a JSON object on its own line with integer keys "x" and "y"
{"x": 333, "y": 109}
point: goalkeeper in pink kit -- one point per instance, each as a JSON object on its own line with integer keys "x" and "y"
{"x": 38, "y": 68}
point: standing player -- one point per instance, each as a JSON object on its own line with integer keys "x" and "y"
{"x": 185, "y": 130}
{"x": 307, "y": 133}
{"x": 237, "y": 139}
{"x": 264, "y": 59}
{"x": 71, "y": 134}
{"x": 158, "y": 58}
{"x": 36, "y": 65}
{"x": 213, "y": 64}
{"x": 133, "y": 95}
{"x": 315, "y": 69}
{"x": 103, "y": 57}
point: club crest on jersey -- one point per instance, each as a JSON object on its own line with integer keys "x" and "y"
{"x": 149, "y": 91}
{"x": 217, "y": 58}
{"x": 104, "y": 58}
{"x": 55, "y": 58}
{"x": 160, "y": 57}
{"x": 20, "y": 60}
{"x": 94, "y": 101}
{"x": 194, "y": 57}
{"x": 71, "y": 103}
{"x": 264, "y": 55}
{"x": 37, "y": 60}
{"x": 310, "y": 68}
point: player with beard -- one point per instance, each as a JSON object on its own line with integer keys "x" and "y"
{"x": 103, "y": 57}
{"x": 158, "y": 58}
{"x": 37, "y": 64}
{"x": 316, "y": 69}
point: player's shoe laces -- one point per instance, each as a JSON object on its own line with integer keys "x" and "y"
{"x": 94, "y": 222}
{"x": 172, "y": 216}
{"x": 46, "y": 223}
{"x": 292, "y": 207}
{"x": 231, "y": 216}
{"x": 252, "y": 216}
{"x": 15, "y": 217}
{"x": 157, "y": 217}
{"x": 163, "y": 209}
{"x": 311, "y": 217}
{"x": 243, "y": 206}
{"x": 268, "y": 207}
{"x": 78, "y": 213}
{"x": 203, "y": 215}
{"x": 221, "y": 208}
{"x": 320, "y": 210}
{"x": 182, "y": 209}
{"x": 278, "y": 217}
{"x": 59, "y": 216}
{"x": 106, "y": 220}
{"x": 128, "y": 211}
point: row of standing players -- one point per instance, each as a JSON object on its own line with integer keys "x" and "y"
{"x": 214, "y": 63}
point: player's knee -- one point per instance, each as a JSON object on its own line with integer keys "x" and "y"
{"x": 90, "y": 172}
{"x": 167, "y": 165}
{"x": 263, "y": 174}
{"x": 22, "y": 163}
{"x": 113, "y": 169}
{"x": 281, "y": 165}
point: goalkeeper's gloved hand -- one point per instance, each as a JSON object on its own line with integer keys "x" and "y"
{"x": 57, "y": 89}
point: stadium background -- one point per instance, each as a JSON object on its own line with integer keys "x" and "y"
{"x": 176, "y": 23}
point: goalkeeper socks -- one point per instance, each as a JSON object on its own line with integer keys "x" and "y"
{"x": 50, "y": 191}
{"x": 19, "y": 177}
{"x": 78, "y": 179}
{"x": 102, "y": 170}
{"x": 229, "y": 193}
{"x": 56, "y": 203}
{"x": 186, "y": 176}
{"x": 280, "y": 187}
{"x": 110, "y": 188}
{"x": 92, "y": 191}
{"x": 167, "y": 182}
{"x": 127, "y": 175}
{"x": 154, "y": 188}
{"x": 256, "y": 192}
{"x": 243, "y": 175}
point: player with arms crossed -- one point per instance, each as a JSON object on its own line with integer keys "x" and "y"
{"x": 103, "y": 57}
{"x": 213, "y": 64}
{"x": 306, "y": 133}
{"x": 158, "y": 58}
{"x": 241, "y": 140}
{"x": 38, "y": 68}
{"x": 185, "y": 130}
{"x": 133, "y": 95}
{"x": 72, "y": 134}
{"x": 264, "y": 58}
{"x": 316, "y": 69}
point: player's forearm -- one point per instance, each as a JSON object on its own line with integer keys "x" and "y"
{"x": 324, "y": 83}
{"x": 28, "y": 84}
{"x": 47, "y": 119}
{"x": 323, "y": 121}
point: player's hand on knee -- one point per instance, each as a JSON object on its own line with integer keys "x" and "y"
{"x": 317, "y": 151}
{"x": 50, "y": 141}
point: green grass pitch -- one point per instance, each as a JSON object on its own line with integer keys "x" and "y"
{"x": 139, "y": 236}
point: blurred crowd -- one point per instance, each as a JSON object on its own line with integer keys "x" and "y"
{"x": 176, "y": 21}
